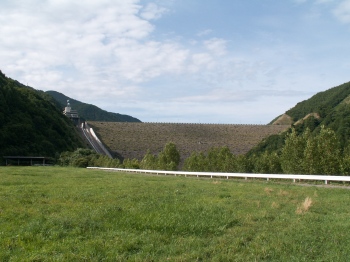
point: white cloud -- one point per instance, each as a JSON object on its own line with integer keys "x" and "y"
{"x": 216, "y": 46}
{"x": 74, "y": 45}
{"x": 114, "y": 52}
{"x": 342, "y": 11}
{"x": 152, "y": 11}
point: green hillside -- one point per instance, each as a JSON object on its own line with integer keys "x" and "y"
{"x": 330, "y": 108}
{"x": 90, "y": 112}
{"x": 31, "y": 124}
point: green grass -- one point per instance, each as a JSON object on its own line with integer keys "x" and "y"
{"x": 68, "y": 214}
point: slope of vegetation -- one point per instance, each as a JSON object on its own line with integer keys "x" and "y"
{"x": 322, "y": 103}
{"x": 31, "y": 124}
{"x": 90, "y": 112}
{"x": 70, "y": 214}
{"x": 133, "y": 140}
{"x": 330, "y": 109}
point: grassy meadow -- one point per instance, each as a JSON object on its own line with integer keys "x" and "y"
{"x": 71, "y": 214}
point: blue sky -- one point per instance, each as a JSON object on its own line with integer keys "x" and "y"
{"x": 222, "y": 61}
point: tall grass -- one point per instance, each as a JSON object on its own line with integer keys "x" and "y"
{"x": 67, "y": 214}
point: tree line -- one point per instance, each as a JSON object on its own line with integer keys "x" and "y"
{"x": 304, "y": 153}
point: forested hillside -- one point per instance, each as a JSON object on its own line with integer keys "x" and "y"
{"x": 90, "y": 112}
{"x": 330, "y": 109}
{"x": 322, "y": 103}
{"x": 31, "y": 124}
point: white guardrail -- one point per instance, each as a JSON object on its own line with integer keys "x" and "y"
{"x": 324, "y": 178}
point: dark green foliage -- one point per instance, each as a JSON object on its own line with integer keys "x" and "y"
{"x": 304, "y": 153}
{"x": 149, "y": 161}
{"x": 270, "y": 144}
{"x": 167, "y": 159}
{"x": 330, "y": 109}
{"x": 268, "y": 163}
{"x": 30, "y": 124}
{"x": 90, "y": 112}
{"x": 321, "y": 103}
{"x": 322, "y": 153}
{"x": 216, "y": 160}
{"x": 86, "y": 157}
{"x": 131, "y": 163}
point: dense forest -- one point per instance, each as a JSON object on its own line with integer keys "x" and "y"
{"x": 31, "y": 124}
{"x": 90, "y": 112}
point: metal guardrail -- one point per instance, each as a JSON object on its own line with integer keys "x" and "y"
{"x": 324, "y": 178}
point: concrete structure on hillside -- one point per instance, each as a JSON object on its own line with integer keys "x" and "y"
{"x": 71, "y": 114}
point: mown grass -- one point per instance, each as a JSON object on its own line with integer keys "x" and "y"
{"x": 68, "y": 214}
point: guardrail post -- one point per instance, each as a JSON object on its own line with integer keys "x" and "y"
{"x": 242, "y": 175}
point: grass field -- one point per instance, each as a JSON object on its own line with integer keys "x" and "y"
{"x": 132, "y": 140}
{"x": 70, "y": 214}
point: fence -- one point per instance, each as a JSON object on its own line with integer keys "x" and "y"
{"x": 324, "y": 178}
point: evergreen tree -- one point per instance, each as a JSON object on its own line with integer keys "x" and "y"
{"x": 292, "y": 157}
{"x": 268, "y": 163}
{"x": 149, "y": 161}
{"x": 322, "y": 153}
{"x": 169, "y": 158}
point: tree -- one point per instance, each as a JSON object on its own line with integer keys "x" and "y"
{"x": 149, "y": 161}
{"x": 195, "y": 162}
{"x": 268, "y": 163}
{"x": 227, "y": 160}
{"x": 169, "y": 158}
{"x": 345, "y": 163}
{"x": 292, "y": 157}
{"x": 131, "y": 163}
{"x": 322, "y": 153}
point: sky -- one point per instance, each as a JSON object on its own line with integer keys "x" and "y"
{"x": 187, "y": 61}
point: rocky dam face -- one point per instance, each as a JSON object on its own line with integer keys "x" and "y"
{"x": 132, "y": 140}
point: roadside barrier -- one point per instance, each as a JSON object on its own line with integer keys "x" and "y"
{"x": 324, "y": 178}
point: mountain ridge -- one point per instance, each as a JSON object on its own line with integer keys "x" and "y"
{"x": 329, "y": 108}
{"x": 90, "y": 112}
{"x": 31, "y": 124}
